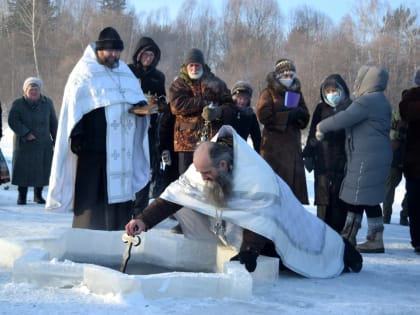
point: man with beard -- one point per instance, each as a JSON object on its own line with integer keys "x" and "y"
{"x": 254, "y": 214}
{"x": 102, "y": 152}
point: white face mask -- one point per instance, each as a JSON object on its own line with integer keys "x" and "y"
{"x": 196, "y": 74}
{"x": 286, "y": 82}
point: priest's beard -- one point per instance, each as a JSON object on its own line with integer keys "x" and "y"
{"x": 219, "y": 190}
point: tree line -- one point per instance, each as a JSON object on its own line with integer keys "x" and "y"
{"x": 45, "y": 38}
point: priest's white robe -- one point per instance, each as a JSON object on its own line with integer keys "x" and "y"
{"x": 92, "y": 85}
{"x": 263, "y": 203}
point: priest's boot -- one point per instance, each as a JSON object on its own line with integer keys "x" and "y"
{"x": 22, "y": 195}
{"x": 38, "y": 195}
{"x": 374, "y": 242}
{"x": 351, "y": 227}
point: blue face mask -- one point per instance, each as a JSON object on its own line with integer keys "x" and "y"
{"x": 333, "y": 99}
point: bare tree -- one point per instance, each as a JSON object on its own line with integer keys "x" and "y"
{"x": 46, "y": 38}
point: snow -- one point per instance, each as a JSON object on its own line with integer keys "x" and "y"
{"x": 387, "y": 284}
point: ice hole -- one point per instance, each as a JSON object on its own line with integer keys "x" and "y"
{"x": 163, "y": 265}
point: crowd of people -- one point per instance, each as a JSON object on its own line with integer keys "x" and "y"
{"x": 104, "y": 160}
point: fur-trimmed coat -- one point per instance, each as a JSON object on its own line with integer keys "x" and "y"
{"x": 281, "y": 136}
{"x": 187, "y": 99}
{"x": 410, "y": 112}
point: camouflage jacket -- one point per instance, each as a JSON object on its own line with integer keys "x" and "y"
{"x": 187, "y": 99}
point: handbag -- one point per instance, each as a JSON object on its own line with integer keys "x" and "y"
{"x": 4, "y": 170}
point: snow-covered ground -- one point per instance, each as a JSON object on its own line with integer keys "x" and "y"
{"x": 387, "y": 284}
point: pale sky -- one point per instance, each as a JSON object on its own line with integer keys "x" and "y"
{"x": 334, "y": 9}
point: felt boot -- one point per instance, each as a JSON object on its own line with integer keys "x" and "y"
{"x": 374, "y": 239}
{"x": 351, "y": 227}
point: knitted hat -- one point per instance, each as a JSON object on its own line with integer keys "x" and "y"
{"x": 416, "y": 77}
{"x": 109, "y": 39}
{"x": 30, "y": 82}
{"x": 241, "y": 87}
{"x": 285, "y": 66}
{"x": 195, "y": 55}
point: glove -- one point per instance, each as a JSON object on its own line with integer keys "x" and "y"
{"x": 211, "y": 113}
{"x": 319, "y": 134}
{"x": 247, "y": 257}
{"x": 76, "y": 145}
{"x": 166, "y": 157}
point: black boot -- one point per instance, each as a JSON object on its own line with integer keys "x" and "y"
{"x": 352, "y": 259}
{"x": 38, "y": 195}
{"x": 22, "y": 195}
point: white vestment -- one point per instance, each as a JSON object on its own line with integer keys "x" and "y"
{"x": 91, "y": 86}
{"x": 263, "y": 203}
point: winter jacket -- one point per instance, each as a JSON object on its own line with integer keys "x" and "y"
{"x": 281, "y": 135}
{"x": 151, "y": 79}
{"x": 328, "y": 155}
{"x": 31, "y": 164}
{"x": 246, "y": 124}
{"x": 187, "y": 99}
{"x": 152, "y": 83}
{"x": 367, "y": 122}
{"x": 410, "y": 112}
{"x": 398, "y": 136}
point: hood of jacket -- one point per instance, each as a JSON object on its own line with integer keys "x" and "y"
{"x": 337, "y": 80}
{"x": 370, "y": 79}
{"x": 144, "y": 44}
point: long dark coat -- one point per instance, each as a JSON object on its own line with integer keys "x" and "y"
{"x": 281, "y": 141}
{"x": 187, "y": 99}
{"x": 152, "y": 82}
{"x": 329, "y": 155}
{"x": 367, "y": 122}
{"x": 410, "y": 112}
{"x": 31, "y": 164}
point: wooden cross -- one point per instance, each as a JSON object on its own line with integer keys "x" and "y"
{"x": 130, "y": 240}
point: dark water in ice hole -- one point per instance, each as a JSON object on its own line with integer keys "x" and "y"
{"x": 147, "y": 269}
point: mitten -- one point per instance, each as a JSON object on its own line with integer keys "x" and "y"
{"x": 166, "y": 157}
{"x": 211, "y": 113}
{"x": 247, "y": 257}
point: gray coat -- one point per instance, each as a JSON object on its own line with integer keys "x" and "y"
{"x": 31, "y": 164}
{"x": 367, "y": 122}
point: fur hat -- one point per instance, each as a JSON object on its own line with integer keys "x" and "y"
{"x": 195, "y": 55}
{"x": 285, "y": 66}
{"x": 416, "y": 77}
{"x": 241, "y": 87}
{"x": 32, "y": 81}
{"x": 109, "y": 39}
